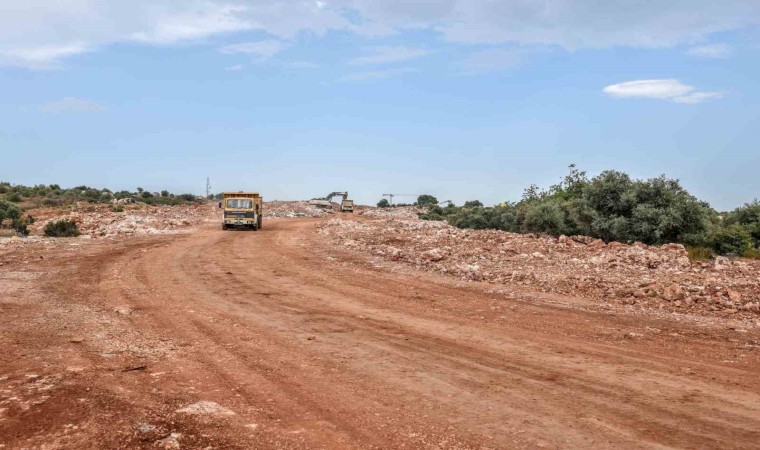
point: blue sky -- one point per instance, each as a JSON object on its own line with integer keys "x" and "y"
{"x": 461, "y": 99}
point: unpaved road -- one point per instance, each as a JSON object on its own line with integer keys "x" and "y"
{"x": 103, "y": 344}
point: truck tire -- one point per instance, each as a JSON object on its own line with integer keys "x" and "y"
{"x": 224, "y": 226}
{"x": 260, "y": 223}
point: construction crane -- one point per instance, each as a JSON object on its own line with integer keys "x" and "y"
{"x": 391, "y": 196}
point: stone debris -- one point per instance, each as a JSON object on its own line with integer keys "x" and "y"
{"x": 294, "y": 209}
{"x": 646, "y": 276}
{"x": 99, "y": 221}
{"x": 170, "y": 442}
{"x": 206, "y": 408}
{"x": 401, "y": 212}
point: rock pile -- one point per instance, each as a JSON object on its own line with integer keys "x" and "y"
{"x": 655, "y": 277}
{"x": 99, "y": 221}
{"x": 294, "y": 209}
{"x": 402, "y": 212}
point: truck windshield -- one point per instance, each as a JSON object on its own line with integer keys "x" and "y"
{"x": 239, "y": 203}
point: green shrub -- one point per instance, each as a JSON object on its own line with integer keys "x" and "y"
{"x": 9, "y": 211}
{"x": 611, "y": 206}
{"x": 545, "y": 217}
{"x": 473, "y": 204}
{"x": 62, "y": 228}
{"x": 730, "y": 240}
{"x": 188, "y": 197}
{"x": 383, "y": 203}
{"x": 427, "y": 200}
{"x": 117, "y": 208}
{"x": 747, "y": 216}
{"x": 14, "y": 197}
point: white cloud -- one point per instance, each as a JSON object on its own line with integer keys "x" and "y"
{"x": 207, "y": 20}
{"x": 669, "y": 89}
{"x": 710, "y": 51}
{"x": 376, "y": 74}
{"x": 31, "y": 32}
{"x": 41, "y": 57}
{"x": 260, "y": 49}
{"x": 234, "y": 68}
{"x": 72, "y": 104}
{"x": 386, "y": 55}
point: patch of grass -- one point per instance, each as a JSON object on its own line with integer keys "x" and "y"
{"x": 117, "y": 208}
{"x": 752, "y": 253}
{"x": 699, "y": 253}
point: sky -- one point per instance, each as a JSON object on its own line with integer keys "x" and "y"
{"x": 462, "y": 99}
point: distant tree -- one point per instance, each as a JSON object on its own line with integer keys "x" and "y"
{"x": 383, "y": 203}
{"x": 164, "y": 193}
{"x": 427, "y": 200}
{"x": 473, "y": 204}
{"x": 748, "y": 216}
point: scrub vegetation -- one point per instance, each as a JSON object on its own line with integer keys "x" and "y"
{"x": 612, "y": 206}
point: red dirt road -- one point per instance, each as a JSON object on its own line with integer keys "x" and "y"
{"x": 104, "y": 343}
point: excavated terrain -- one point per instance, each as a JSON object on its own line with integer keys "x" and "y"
{"x": 374, "y": 331}
{"x": 648, "y": 277}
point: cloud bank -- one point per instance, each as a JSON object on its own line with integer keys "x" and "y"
{"x": 42, "y": 34}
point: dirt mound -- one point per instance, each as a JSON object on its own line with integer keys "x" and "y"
{"x": 96, "y": 220}
{"x": 651, "y": 277}
{"x": 294, "y": 209}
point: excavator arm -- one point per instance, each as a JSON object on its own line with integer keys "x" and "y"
{"x": 335, "y": 194}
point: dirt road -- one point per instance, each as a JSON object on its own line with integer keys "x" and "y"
{"x": 293, "y": 345}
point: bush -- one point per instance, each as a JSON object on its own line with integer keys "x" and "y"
{"x": 427, "y": 200}
{"x": 473, "y": 204}
{"x": 748, "y": 216}
{"x": 545, "y": 217}
{"x": 383, "y": 203}
{"x": 188, "y": 197}
{"x": 62, "y": 228}
{"x": 14, "y": 197}
{"x": 730, "y": 240}
{"x": 9, "y": 211}
{"x": 117, "y": 208}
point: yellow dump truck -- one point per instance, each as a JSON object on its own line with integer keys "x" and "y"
{"x": 347, "y": 206}
{"x": 242, "y": 210}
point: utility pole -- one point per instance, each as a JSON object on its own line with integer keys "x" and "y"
{"x": 391, "y": 197}
{"x": 208, "y": 188}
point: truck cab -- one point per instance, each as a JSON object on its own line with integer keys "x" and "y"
{"x": 241, "y": 210}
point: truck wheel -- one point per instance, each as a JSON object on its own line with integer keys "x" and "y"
{"x": 224, "y": 226}
{"x": 260, "y": 223}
